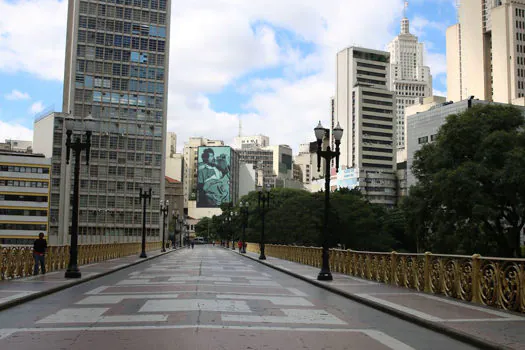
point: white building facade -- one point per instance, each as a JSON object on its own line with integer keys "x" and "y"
{"x": 242, "y": 142}
{"x": 486, "y": 51}
{"x": 365, "y": 109}
{"x": 410, "y": 79}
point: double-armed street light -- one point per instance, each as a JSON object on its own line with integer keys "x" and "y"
{"x": 144, "y": 197}
{"x": 244, "y": 217}
{"x": 327, "y": 155}
{"x": 77, "y": 146}
{"x": 264, "y": 204}
{"x": 164, "y": 210}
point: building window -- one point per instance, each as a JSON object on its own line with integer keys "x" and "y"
{"x": 422, "y": 140}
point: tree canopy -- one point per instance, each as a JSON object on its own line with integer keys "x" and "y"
{"x": 471, "y": 184}
{"x": 295, "y": 217}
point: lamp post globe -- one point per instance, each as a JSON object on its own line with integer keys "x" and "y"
{"x": 77, "y": 146}
{"x": 327, "y": 155}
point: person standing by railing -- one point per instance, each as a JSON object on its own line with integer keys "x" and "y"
{"x": 39, "y": 251}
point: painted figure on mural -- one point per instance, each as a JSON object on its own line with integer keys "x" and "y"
{"x": 213, "y": 178}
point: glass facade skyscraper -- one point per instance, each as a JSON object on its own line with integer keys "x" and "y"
{"x": 117, "y": 54}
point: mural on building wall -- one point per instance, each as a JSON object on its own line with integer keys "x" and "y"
{"x": 213, "y": 176}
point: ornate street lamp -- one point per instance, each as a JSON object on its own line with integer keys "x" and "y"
{"x": 328, "y": 155}
{"x": 164, "y": 210}
{"x": 77, "y": 146}
{"x": 244, "y": 217}
{"x": 264, "y": 204}
{"x": 144, "y": 197}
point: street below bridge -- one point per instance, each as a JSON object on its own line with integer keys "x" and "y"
{"x": 206, "y": 298}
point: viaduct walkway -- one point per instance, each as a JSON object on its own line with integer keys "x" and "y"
{"x": 214, "y": 298}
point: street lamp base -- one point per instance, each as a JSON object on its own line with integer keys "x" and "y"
{"x": 163, "y": 250}
{"x": 143, "y": 255}
{"x": 72, "y": 272}
{"x": 325, "y": 276}
{"x": 262, "y": 257}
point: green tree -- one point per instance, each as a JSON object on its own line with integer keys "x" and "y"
{"x": 471, "y": 190}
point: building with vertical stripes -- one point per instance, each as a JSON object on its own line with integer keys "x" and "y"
{"x": 365, "y": 109}
{"x": 116, "y": 69}
{"x": 24, "y": 197}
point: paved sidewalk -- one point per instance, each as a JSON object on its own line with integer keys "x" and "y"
{"x": 481, "y": 326}
{"x": 16, "y": 291}
{"x": 207, "y": 298}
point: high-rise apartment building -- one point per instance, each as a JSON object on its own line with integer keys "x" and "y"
{"x": 365, "y": 110}
{"x": 486, "y": 51}
{"x": 410, "y": 79}
{"x": 24, "y": 196}
{"x": 306, "y": 160}
{"x": 262, "y": 162}
{"x": 174, "y": 160}
{"x": 116, "y": 70}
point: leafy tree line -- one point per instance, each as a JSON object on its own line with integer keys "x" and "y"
{"x": 471, "y": 184}
{"x": 469, "y": 198}
{"x": 296, "y": 217}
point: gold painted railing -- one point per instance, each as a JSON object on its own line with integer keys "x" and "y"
{"x": 497, "y": 282}
{"x": 16, "y": 262}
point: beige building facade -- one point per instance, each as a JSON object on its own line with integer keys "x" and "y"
{"x": 410, "y": 79}
{"x": 486, "y": 51}
{"x": 365, "y": 109}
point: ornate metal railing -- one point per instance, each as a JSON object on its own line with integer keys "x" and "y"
{"x": 497, "y": 282}
{"x": 16, "y": 262}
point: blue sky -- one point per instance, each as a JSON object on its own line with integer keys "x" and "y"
{"x": 280, "y": 42}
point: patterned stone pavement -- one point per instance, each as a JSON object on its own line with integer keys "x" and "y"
{"x": 488, "y": 324}
{"x": 206, "y": 298}
{"x": 21, "y": 288}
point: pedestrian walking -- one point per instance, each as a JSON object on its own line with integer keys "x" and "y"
{"x": 39, "y": 252}
{"x": 239, "y": 244}
{"x": 192, "y": 244}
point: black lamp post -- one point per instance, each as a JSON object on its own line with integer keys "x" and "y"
{"x": 144, "y": 196}
{"x": 264, "y": 204}
{"x": 164, "y": 209}
{"x": 244, "y": 217}
{"x": 328, "y": 155}
{"x": 78, "y": 146}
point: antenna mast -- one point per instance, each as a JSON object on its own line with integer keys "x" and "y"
{"x": 240, "y": 127}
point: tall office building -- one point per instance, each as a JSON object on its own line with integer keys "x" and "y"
{"x": 410, "y": 79}
{"x": 116, "y": 70}
{"x": 365, "y": 110}
{"x": 486, "y": 51}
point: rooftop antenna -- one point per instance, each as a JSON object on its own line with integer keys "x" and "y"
{"x": 240, "y": 127}
{"x": 405, "y": 9}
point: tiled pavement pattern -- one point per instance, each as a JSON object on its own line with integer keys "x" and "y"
{"x": 489, "y": 324}
{"x": 206, "y": 298}
{"x": 16, "y": 289}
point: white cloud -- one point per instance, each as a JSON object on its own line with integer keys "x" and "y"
{"x": 439, "y": 93}
{"x": 36, "y": 107}
{"x": 16, "y": 95}
{"x": 285, "y": 108}
{"x": 419, "y": 26}
{"x": 215, "y": 43}
{"x": 14, "y": 131}
{"x": 437, "y": 63}
{"x": 32, "y": 37}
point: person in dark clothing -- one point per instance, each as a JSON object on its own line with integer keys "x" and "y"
{"x": 39, "y": 252}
